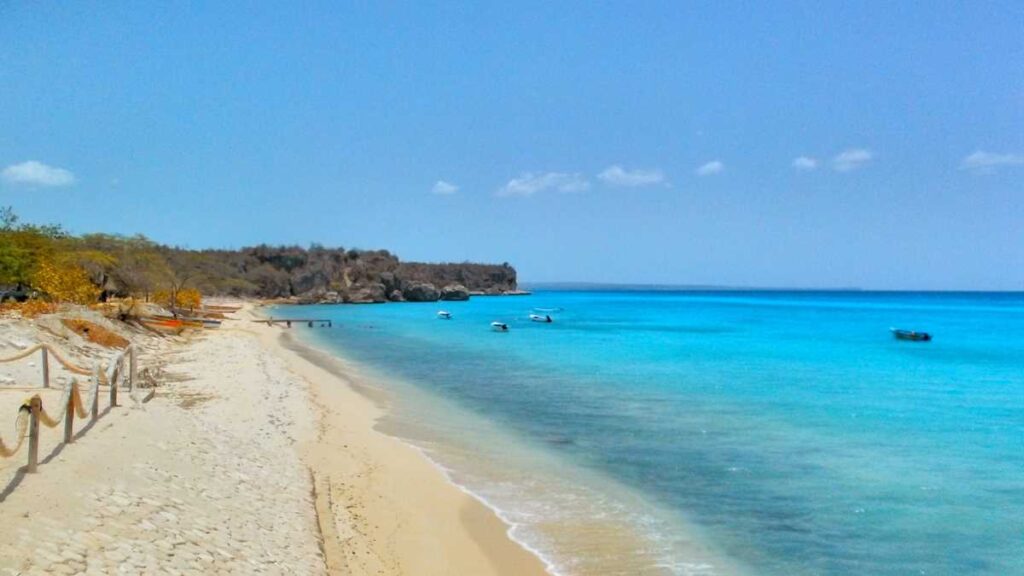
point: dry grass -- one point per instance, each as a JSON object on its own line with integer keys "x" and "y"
{"x": 95, "y": 333}
{"x": 29, "y": 308}
{"x": 189, "y": 400}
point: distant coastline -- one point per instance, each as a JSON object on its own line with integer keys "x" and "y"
{"x": 42, "y": 261}
{"x": 640, "y": 287}
{"x": 633, "y": 287}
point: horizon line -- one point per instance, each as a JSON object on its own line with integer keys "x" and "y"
{"x": 670, "y": 287}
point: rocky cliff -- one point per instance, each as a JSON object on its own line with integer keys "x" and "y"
{"x": 330, "y": 275}
{"x": 473, "y": 278}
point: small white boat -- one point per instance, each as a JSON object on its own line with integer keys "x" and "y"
{"x": 546, "y": 319}
{"x": 499, "y": 326}
{"x": 444, "y": 315}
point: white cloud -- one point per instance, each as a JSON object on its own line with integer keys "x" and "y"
{"x": 711, "y": 168}
{"x": 849, "y": 160}
{"x": 986, "y": 162}
{"x": 616, "y": 175}
{"x": 805, "y": 163}
{"x": 444, "y": 188}
{"x": 529, "y": 184}
{"x": 37, "y": 173}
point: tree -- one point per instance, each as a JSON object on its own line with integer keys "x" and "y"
{"x": 186, "y": 298}
{"x": 64, "y": 281}
{"x": 141, "y": 269}
{"x": 271, "y": 282}
{"x": 21, "y": 249}
{"x": 8, "y": 219}
{"x": 15, "y": 262}
{"x": 190, "y": 298}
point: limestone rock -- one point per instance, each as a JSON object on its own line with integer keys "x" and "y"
{"x": 330, "y": 297}
{"x": 454, "y": 292}
{"x": 366, "y": 294}
{"x": 391, "y": 282}
{"x": 421, "y": 292}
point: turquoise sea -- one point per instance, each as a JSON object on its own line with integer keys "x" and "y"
{"x": 719, "y": 432}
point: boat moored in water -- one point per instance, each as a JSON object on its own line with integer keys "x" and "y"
{"x": 444, "y": 315}
{"x": 499, "y": 326}
{"x": 545, "y": 319}
{"x": 911, "y": 335}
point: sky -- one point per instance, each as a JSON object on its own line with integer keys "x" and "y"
{"x": 806, "y": 144}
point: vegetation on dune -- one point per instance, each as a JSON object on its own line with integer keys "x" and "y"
{"x": 48, "y": 263}
{"x": 95, "y": 333}
{"x": 64, "y": 281}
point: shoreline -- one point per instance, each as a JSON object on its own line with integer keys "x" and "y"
{"x": 254, "y": 413}
{"x": 251, "y": 458}
{"x": 335, "y": 365}
{"x": 616, "y": 536}
{"x": 424, "y": 520}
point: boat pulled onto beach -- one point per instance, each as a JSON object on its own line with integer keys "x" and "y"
{"x": 164, "y": 325}
{"x": 910, "y": 335}
{"x": 190, "y": 321}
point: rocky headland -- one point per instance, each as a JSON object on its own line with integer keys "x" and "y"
{"x": 50, "y": 263}
{"x": 337, "y": 276}
{"x": 313, "y": 275}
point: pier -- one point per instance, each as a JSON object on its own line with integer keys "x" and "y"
{"x": 321, "y": 323}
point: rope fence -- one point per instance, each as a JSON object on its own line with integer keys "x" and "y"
{"x": 46, "y": 351}
{"x": 121, "y": 371}
{"x": 21, "y": 427}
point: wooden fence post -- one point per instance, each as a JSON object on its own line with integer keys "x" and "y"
{"x": 131, "y": 369}
{"x": 96, "y": 395}
{"x": 35, "y": 405}
{"x": 69, "y": 415}
{"x": 113, "y": 385}
{"x": 46, "y": 368}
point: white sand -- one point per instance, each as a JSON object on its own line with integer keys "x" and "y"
{"x": 225, "y": 471}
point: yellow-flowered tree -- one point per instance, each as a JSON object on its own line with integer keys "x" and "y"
{"x": 64, "y": 281}
{"x": 189, "y": 298}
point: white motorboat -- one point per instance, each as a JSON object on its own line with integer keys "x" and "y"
{"x": 545, "y": 319}
{"x": 499, "y": 326}
{"x": 444, "y": 315}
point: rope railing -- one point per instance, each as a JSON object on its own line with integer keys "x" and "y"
{"x": 31, "y": 413}
{"x": 47, "y": 351}
{"x": 70, "y": 403}
{"x": 21, "y": 430}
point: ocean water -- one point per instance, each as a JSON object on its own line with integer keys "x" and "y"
{"x": 719, "y": 432}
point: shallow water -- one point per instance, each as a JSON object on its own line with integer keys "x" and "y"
{"x": 784, "y": 432}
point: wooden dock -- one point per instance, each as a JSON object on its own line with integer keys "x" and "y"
{"x": 311, "y": 322}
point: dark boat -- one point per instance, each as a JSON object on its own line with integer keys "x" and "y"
{"x": 911, "y": 335}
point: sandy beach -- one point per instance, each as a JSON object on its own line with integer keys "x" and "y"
{"x": 249, "y": 459}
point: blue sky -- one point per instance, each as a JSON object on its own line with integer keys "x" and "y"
{"x": 878, "y": 145}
